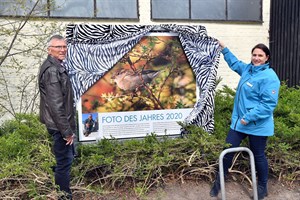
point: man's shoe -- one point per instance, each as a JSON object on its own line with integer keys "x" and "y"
{"x": 64, "y": 196}
{"x": 262, "y": 192}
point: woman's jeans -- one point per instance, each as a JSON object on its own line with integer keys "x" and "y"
{"x": 64, "y": 155}
{"x": 257, "y": 146}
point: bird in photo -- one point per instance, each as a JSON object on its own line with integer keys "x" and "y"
{"x": 129, "y": 80}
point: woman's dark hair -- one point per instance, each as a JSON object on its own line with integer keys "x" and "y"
{"x": 264, "y": 48}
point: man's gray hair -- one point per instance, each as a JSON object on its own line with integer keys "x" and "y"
{"x": 57, "y": 37}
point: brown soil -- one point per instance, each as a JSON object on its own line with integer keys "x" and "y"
{"x": 234, "y": 191}
{"x": 191, "y": 190}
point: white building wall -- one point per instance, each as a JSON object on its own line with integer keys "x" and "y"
{"x": 240, "y": 37}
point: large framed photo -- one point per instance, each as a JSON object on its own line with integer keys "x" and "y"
{"x": 149, "y": 90}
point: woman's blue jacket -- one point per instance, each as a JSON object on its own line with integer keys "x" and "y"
{"x": 256, "y": 97}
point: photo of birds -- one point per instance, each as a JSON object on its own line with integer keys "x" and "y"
{"x": 129, "y": 80}
{"x": 154, "y": 75}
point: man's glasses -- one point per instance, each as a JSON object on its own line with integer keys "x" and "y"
{"x": 59, "y": 47}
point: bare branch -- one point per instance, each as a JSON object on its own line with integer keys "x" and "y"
{"x": 12, "y": 111}
{"x": 21, "y": 26}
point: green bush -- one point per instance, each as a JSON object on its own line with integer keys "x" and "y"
{"x": 283, "y": 147}
{"x": 26, "y": 158}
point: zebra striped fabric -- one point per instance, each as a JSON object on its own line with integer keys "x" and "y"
{"x": 95, "y": 49}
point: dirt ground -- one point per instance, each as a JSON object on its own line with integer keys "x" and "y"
{"x": 234, "y": 191}
{"x": 191, "y": 190}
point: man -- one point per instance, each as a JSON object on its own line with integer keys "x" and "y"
{"x": 57, "y": 110}
{"x": 89, "y": 125}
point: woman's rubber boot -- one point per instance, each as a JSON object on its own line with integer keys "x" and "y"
{"x": 262, "y": 192}
{"x": 216, "y": 187}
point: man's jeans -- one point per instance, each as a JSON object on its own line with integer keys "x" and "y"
{"x": 257, "y": 145}
{"x": 64, "y": 155}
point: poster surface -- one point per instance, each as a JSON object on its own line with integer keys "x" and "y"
{"x": 149, "y": 90}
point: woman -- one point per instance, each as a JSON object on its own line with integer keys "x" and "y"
{"x": 255, "y": 100}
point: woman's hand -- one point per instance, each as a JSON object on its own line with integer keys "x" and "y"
{"x": 243, "y": 122}
{"x": 221, "y": 44}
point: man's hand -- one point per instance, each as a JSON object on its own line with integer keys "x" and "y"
{"x": 70, "y": 139}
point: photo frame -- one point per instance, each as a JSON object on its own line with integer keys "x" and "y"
{"x": 148, "y": 91}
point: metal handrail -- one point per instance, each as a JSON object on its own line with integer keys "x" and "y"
{"x": 252, "y": 163}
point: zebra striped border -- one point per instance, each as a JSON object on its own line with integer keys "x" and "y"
{"x": 94, "y": 49}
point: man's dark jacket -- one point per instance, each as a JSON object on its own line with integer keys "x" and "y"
{"x": 57, "y": 110}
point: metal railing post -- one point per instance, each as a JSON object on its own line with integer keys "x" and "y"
{"x": 253, "y": 173}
